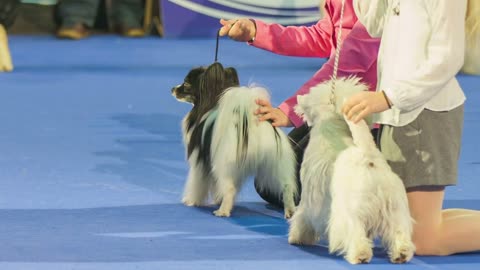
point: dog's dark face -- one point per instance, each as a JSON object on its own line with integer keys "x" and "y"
{"x": 188, "y": 90}
{"x": 204, "y": 85}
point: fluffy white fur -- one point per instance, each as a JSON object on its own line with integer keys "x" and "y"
{"x": 267, "y": 155}
{"x": 472, "y": 32}
{"x": 5, "y": 59}
{"x": 349, "y": 192}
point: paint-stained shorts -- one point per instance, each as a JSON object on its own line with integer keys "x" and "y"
{"x": 426, "y": 151}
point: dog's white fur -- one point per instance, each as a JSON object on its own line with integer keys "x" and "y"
{"x": 271, "y": 160}
{"x": 472, "y": 34}
{"x": 348, "y": 190}
{"x": 5, "y": 59}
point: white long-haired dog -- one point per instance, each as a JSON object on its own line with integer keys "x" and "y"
{"x": 226, "y": 142}
{"x": 349, "y": 192}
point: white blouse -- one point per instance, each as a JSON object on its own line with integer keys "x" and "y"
{"x": 421, "y": 51}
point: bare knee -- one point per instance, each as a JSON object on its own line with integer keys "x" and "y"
{"x": 429, "y": 247}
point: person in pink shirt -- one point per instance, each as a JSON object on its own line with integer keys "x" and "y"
{"x": 358, "y": 57}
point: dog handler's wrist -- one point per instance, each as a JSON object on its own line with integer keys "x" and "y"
{"x": 252, "y": 39}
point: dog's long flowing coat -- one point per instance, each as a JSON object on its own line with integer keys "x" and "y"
{"x": 348, "y": 189}
{"x": 226, "y": 143}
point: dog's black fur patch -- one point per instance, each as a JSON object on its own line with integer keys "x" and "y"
{"x": 203, "y": 87}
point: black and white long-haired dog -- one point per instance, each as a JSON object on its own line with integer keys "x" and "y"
{"x": 226, "y": 143}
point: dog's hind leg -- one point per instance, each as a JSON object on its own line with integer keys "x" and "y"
{"x": 288, "y": 200}
{"x": 286, "y": 176}
{"x": 397, "y": 235}
{"x": 197, "y": 186}
{"x": 301, "y": 231}
{"x": 401, "y": 247}
{"x": 347, "y": 235}
{"x": 280, "y": 182}
{"x": 227, "y": 190}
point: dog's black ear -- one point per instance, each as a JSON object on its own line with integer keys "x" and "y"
{"x": 231, "y": 77}
{"x": 212, "y": 84}
{"x": 194, "y": 78}
{"x": 213, "y": 78}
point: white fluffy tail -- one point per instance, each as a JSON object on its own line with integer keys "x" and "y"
{"x": 236, "y": 114}
{"x": 361, "y": 135}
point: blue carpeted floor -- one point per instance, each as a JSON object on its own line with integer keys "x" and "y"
{"x": 92, "y": 166}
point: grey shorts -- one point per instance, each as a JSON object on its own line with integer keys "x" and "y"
{"x": 426, "y": 151}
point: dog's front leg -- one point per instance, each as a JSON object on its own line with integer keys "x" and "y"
{"x": 227, "y": 190}
{"x": 301, "y": 231}
{"x": 197, "y": 186}
{"x": 5, "y": 58}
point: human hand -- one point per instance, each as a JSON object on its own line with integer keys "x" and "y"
{"x": 238, "y": 29}
{"x": 362, "y": 104}
{"x": 267, "y": 113}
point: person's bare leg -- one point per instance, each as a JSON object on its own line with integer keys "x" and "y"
{"x": 442, "y": 232}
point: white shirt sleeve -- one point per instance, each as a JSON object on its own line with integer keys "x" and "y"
{"x": 444, "y": 56}
{"x": 371, "y": 13}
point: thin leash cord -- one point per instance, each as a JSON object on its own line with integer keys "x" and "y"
{"x": 218, "y": 38}
{"x": 216, "y": 46}
{"x": 337, "y": 55}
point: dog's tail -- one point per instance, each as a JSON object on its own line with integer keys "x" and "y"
{"x": 361, "y": 135}
{"x": 236, "y": 118}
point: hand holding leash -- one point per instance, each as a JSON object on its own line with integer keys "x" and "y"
{"x": 238, "y": 29}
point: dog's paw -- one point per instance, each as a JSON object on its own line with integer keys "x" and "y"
{"x": 360, "y": 256}
{"x": 304, "y": 240}
{"x": 6, "y": 67}
{"x": 221, "y": 213}
{"x": 300, "y": 242}
{"x": 292, "y": 240}
{"x": 403, "y": 254}
{"x": 5, "y": 63}
{"x": 190, "y": 203}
